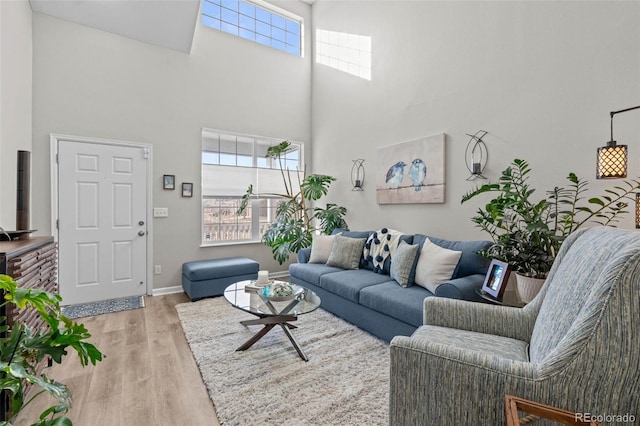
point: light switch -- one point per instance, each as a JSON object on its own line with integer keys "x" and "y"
{"x": 160, "y": 212}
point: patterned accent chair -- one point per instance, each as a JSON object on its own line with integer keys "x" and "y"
{"x": 576, "y": 346}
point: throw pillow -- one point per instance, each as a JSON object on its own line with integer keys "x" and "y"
{"x": 402, "y": 263}
{"x": 435, "y": 265}
{"x": 346, "y": 252}
{"x": 321, "y": 248}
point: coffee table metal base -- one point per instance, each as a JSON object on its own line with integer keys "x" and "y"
{"x": 270, "y": 310}
{"x": 269, "y": 323}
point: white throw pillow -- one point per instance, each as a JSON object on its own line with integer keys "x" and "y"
{"x": 321, "y": 248}
{"x": 435, "y": 265}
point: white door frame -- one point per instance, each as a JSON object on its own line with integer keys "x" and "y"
{"x": 148, "y": 148}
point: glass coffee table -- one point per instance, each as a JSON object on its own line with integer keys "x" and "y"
{"x": 271, "y": 311}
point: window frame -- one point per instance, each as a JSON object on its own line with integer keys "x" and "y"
{"x": 255, "y": 205}
{"x": 239, "y": 27}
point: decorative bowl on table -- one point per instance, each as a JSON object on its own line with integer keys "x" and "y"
{"x": 279, "y": 291}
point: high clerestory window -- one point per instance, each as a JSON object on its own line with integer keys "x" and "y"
{"x": 255, "y": 20}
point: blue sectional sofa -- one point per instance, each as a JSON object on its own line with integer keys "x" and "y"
{"x": 377, "y": 303}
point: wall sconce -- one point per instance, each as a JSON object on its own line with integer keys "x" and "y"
{"x": 612, "y": 158}
{"x": 357, "y": 175}
{"x": 476, "y": 155}
{"x": 638, "y": 210}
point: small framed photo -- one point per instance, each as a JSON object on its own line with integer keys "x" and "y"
{"x": 187, "y": 189}
{"x": 496, "y": 280}
{"x": 168, "y": 182}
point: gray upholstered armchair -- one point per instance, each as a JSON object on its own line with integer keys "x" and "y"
{"x": 576, "y": 346}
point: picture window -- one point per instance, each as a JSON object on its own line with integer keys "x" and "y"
{"x": 230, "y": 163}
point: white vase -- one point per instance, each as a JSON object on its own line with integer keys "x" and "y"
{"x": 528, "y": 287}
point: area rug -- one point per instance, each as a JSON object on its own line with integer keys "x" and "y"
{"x": 345, "y": 381}
{"x": 103, "y": 307}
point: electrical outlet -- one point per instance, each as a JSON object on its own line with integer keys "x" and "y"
{"x": 157, "y": 269}
{"x": 160, "y": 212}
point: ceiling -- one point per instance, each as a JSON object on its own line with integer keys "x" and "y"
{"x": 166, "y": 23}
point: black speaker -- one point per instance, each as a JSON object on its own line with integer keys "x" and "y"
{"x": 23, "y": 191}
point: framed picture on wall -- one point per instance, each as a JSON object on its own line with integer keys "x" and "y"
{"x": 168, "y": 182}
{"x": 496, "y": 280}
{"x": 187, "y": 189}
{"x": 412, "y": 172}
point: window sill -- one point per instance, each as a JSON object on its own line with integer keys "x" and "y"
{"x": 229, "y": 243}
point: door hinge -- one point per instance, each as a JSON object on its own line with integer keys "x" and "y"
{"x": 57, "y": 223}
{"x": 146, "y": 153}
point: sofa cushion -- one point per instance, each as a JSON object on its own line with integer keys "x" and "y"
{"x": 386, "y": 268}
{"x": 355, "y": 234}
{"x": 346, "y": 252}
{"x": 311, "y": 272}
{"x": 349, "y": 283}
{"x": 435, "y": 265}
{"x": 304, "y": 255}
{"x": 321, "y": 248}
{"x": 380, "y": 246}
{"x": 470, "y": 262}
{"x": 404, "y": 304}
{"x": 403, "y": 267}
{"x": 351, "y": 234}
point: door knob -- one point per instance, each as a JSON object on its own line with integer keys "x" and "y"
{"x": 141, "y": 233}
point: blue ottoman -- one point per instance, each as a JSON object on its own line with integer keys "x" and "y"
{"x": 204, "y": 278}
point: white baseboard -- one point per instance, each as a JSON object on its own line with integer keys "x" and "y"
{"x": 167, "y": 290}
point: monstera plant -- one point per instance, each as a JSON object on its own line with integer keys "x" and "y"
{"x": 527, "y": 232}
{"x": 23, "y": 347}
{"x": 294, "y": 224}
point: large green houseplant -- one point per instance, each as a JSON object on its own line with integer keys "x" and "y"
{"x": 23, "y": 347}
{"x": 527, "y": 232}
{"x": 293, "y": 226}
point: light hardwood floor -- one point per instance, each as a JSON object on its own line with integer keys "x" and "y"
{"x": 148, "y": 375}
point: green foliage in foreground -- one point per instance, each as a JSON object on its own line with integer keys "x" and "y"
{"x": 22, "y": 348}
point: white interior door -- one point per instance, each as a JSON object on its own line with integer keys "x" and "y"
{"x": 102, "y": 215}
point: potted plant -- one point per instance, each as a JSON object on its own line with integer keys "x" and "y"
{"x": 292, "y": 228}
{"x": 22, "y": 348}
{"x": 527, "y": 232}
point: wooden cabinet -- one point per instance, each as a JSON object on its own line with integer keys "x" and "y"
{"x": 33, "y": 263}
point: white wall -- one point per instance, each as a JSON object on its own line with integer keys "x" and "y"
{"x": 15, "y": 99}
{"x": 91, "y": 83}
{"x": 540, "y": 77}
